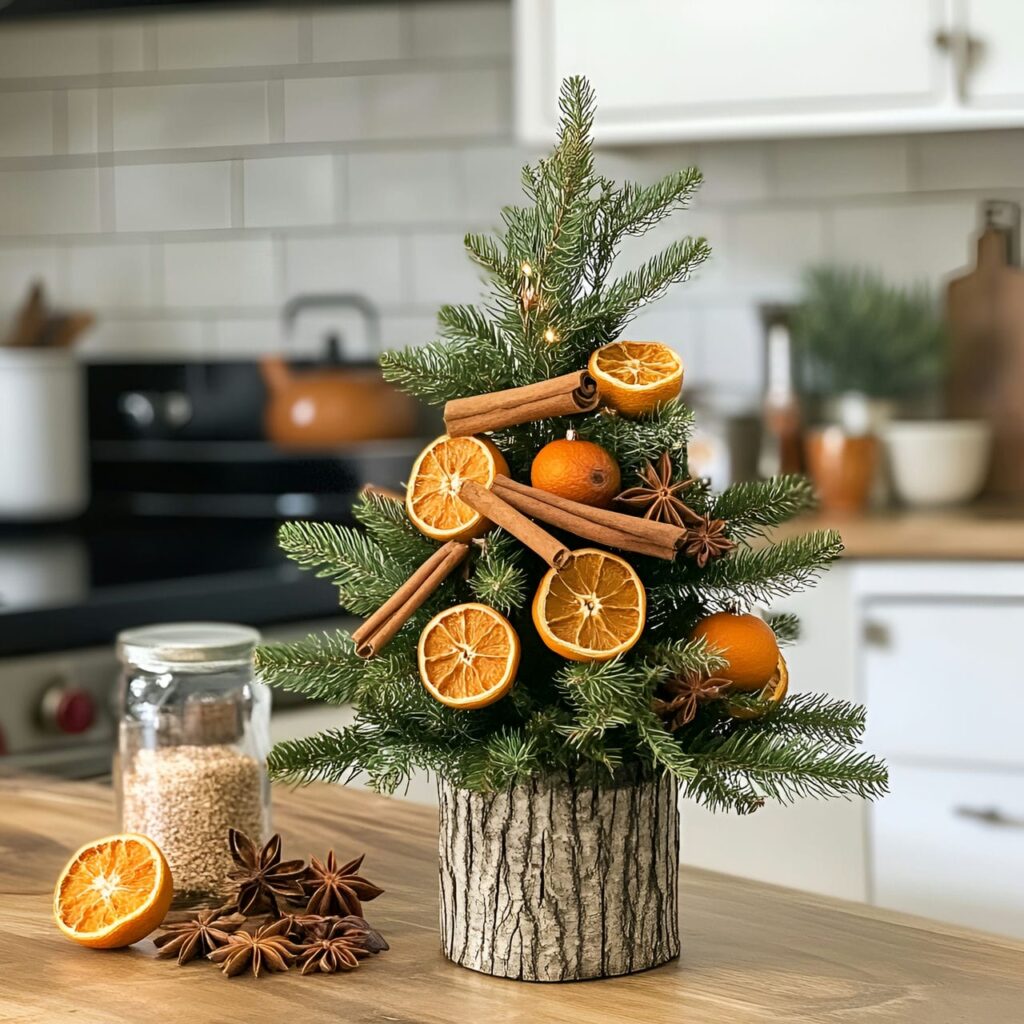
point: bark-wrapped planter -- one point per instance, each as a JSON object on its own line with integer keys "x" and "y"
{"x": 560, "y": 880}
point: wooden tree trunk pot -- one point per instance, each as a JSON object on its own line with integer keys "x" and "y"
{"x": 555, "y": 880}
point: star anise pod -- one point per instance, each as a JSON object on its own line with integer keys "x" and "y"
{"x": 268, "y": 947}
{"x": 261, "y": 876}
{"x": 201, "y": 934}
{"x": 706, "y": 539}
{"x": 337, "y": 890}
{"x": 658, "y": 496}
{"x": 339, "y": 949}
{"x": 374, "y": 941}
{"x": 679, "y": 698}
{"x": 302, "y": 926}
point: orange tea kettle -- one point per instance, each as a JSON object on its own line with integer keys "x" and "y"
{"x": 338, "y": 402}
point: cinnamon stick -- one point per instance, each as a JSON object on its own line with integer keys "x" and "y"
{"x": 561, "y": 396}
{"x": 380, "y": 628}
{"x": 613, "y": 529}
{"x": 535, "y": 537}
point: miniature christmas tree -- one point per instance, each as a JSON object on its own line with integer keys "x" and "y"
{"x": 659, "y": 670}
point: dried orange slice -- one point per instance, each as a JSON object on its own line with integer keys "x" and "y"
{"x": 113, "y": 892}
{"x": 775, "y": 689}
{"x": 592, "y": 609}
{"x": 468, "y": 656}
{"x": 634, "y": 377}
{"x": 432, "y": 497}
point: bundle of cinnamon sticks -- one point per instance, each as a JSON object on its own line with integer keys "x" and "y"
{"x": 612, "y": 529}
{"x": 561, "y": 396}
{"x": 380, "y": 628}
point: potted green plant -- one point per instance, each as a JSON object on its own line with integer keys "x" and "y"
{"x": 865, "y": 351}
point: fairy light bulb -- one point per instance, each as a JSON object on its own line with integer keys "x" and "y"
{"x": 551, "y": 335}
{"x": 527, "y": 270}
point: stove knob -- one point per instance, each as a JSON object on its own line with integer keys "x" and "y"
{"x": 67, "y": 709}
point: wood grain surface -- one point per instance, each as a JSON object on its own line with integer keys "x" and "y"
{"x": 750, "y": 953}
{"x": 981, "y": 532}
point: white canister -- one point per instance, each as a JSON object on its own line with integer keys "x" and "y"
{"x": 43, "y": 470}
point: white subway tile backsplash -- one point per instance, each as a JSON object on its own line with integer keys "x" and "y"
{"x": 482, "y": 29}
{"x": 918, "y": 242}
{"x": 841, "y": 167}
{"x": 49, "y": 202}
{"x": 323, "y": 109}
{"x": 83, "y": 120}
{"x": 491, "y": 179}
{"x": 26, "y": 123}
{"x": 459, "y": 104}
{"x": 247, "y": 337}
{"x": 172, "y": 197}
{"x": 143, "y": 338}
{"x": 30, "y": 50}
{"x": 235, "y": 39}
{"x": 228, "y": 273}
{"x": 357, "y": 33}
{"x": 442, "y": 272}
{"x": 289, "y": 191}
{"x": 412, "y": 187}
{"x": 186, "y": 116}
{"x": 968, "y": 160}
{"x": 766, "y": 250}
{"x": 111, "y": 276}
{"x": 733, "y": 172}
{"x": 732, "y": 353}
{"x": 399, "y": 330}
{"x": 367, "y": 264}
{"x": 125, "y": 44}
{"x": 22, "y": 266}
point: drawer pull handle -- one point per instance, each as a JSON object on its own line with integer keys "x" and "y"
{"x": 989, "y": 816}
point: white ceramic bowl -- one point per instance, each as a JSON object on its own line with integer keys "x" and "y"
{"x": 940, "y": 462}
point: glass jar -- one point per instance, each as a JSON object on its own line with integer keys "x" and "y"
{"x": 193, "y": 739}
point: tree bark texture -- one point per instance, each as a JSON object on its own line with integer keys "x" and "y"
{"x": 555, "y": 880}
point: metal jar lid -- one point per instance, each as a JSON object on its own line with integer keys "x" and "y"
{"x": 188, "y": 645}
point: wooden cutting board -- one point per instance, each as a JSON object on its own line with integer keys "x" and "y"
{"x": 985, "y": 309}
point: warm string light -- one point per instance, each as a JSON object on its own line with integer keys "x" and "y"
{"x": 551, "y": 335}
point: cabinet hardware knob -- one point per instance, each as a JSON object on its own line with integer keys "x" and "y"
{"x": 989, "y": 816}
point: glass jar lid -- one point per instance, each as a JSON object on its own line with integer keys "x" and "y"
{"x": 187, "y": 644}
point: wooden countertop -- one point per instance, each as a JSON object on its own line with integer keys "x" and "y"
{"x": 980, "y": 533}
{"x": 751, "y": 953}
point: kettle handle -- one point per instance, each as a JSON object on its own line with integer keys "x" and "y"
{"x": 275, "y": 373}
{"x": 327, "y": 300}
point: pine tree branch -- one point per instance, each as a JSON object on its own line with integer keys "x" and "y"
{"x": 786, "y": 627}
{"x": 640, "y": 440}
{"x": 498, "y": 576}
{"x": 813, "y": 716}
{"x": 323, "y": 666}
{"x": 751, "y": 508}
{"x": 387, "y": 523}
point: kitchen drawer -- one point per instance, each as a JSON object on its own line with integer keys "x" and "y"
{"x": 950, "y": 845}
{"x": 944, "y": 678}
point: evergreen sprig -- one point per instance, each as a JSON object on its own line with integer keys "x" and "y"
{"x": 553, "y": 299}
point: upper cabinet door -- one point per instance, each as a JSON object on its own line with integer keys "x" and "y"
{"x": 700, "y": 69}
{"x": 993, "y": 53}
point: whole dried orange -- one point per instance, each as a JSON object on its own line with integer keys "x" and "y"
{"x": 592, "y": 609}
{"x": 749, "y": 645}
{"x": 432, "y": 496}
{"x": 468, "y": 656}
{"x": 635, "y": 377}
{"x": 113, "y": 892}
{"x": 578, "y": 470}
{"x": 775, "y": 689}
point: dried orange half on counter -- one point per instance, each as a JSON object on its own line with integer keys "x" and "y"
{"x": 468, "y": 656}
{"x": 432, "y": 497}
{"x": 592, "y": 609}
{"x": 635, "y": 377}
{"x": 113, "y": 892}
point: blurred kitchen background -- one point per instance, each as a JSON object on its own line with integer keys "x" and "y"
{"x": 213, "y": 217}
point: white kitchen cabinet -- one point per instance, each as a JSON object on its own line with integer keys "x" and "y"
{"x": 745, "y": 68}
{"x": 949, "y": 844}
